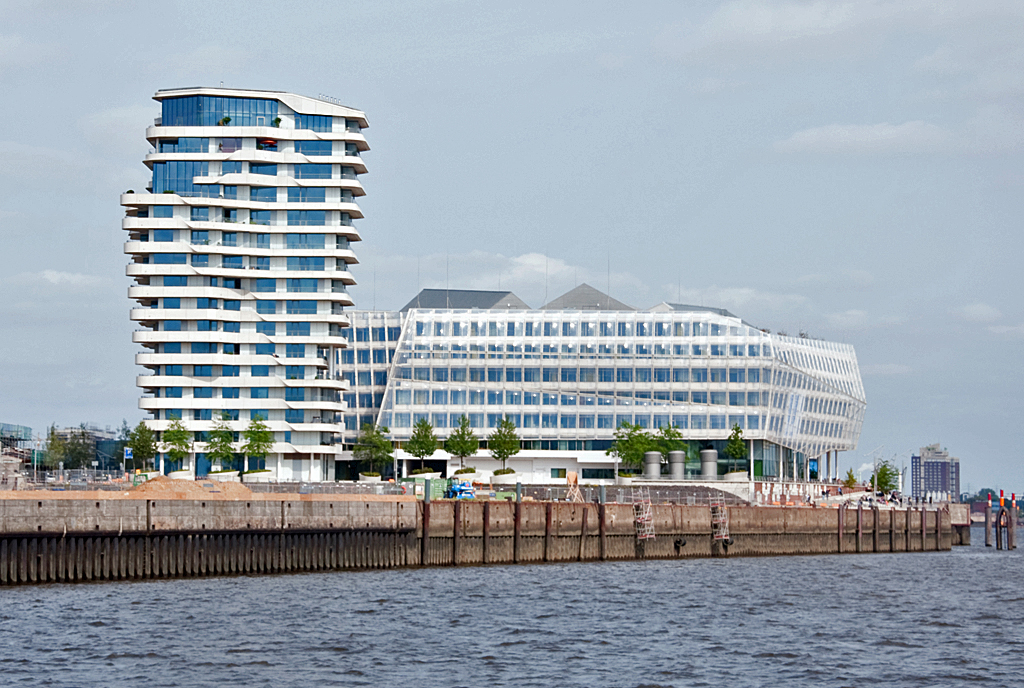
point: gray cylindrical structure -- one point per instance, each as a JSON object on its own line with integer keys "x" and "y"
{"x": 677, "y": 464}
{"x": 652, "y": 465}
{"x": 708, "y": 463}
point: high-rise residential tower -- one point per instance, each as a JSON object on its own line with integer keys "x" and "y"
{"x": 240, "y": 251}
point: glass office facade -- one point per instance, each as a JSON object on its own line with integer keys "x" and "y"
{"x": 568, "y": 379}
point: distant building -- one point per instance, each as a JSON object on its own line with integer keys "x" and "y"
{"x": 14, "y": 450}
{"x": 934, "y": 473}
{"x": 570, "y": 372}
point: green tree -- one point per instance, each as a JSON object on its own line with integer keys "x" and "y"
{"x": 219, "y": 443}
{"x": 142, "y": 442}
{"x": 177, "y": 441}
{"x": 503, "y": 443}
{"x": 850, "y": 480}
{"x": 669, "y": 439}
{"x": 257, "y": 440}
{"x": 373, "y": 447}
{"x": 735, "y": 448}
{"x": 630, "y": 444}
{"x": 56, "y": 448}
{"x": 463, "y": 442}
{"x": 423, "y": 442}
{"x": 886, "y": 477}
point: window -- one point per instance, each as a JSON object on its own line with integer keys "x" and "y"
{"x": 172, "y": 303}
{"x": 295, "y": 351}
{"x": 313, "y": 147}
{"x": 736, "y": 398}
{"x": 208, "y": 111}
{"x": 172, "y": 392}
{"x": 737, "y": 375}
{"x": 313, "y": 171}
{"x": 229, "y": 392}
{"x": 229, "y": 371}
{"x": 231, "y": 304}
{"x": 200, "y": 260}
{"x": 265, "y": 350}
{"x": 202, "y": 371}
{"x": 363, "y": 356}
{"x": 163, "y": 235}
{"x": 307, "y": 217}
{"x": 172, "y": 326}
{"x": 293, "y": 416}
{"x": 718, "y": 350}
{"x": 162, "y": 211}
{"x": 307, "y": 194}
{"x": 297, "y": 329}
{"x": 263, "y": 168}
{"x": 568, "y": 375}
{"x": 301, "y": 285}
{"x": 623, "y": 374}
{"x": 605, "y": 374}
{"x": 303, "y": 263}
{"x": 699, "y": 397}
{"x": 174, "y": 370}
{"x": 718, "y": 422}
{"x": 169, "y": 258}
{"x": 300, "y": 307}
{"x": 263, "y": 194}
{"x": 171, "y": 348}
{"x": 260, "y": 217}
{"x": 202, "y": 392}
{"x": 643, "y": 374}
{"x": 531, "y": 374}
{"x": 266, "y": 307}
{"x": 266, "y": 285}
{"x": 230, "y": 166}
{"x": 321, "y": 123}
{"x": 717, "y": 398}
{"x": 266, "y": 328}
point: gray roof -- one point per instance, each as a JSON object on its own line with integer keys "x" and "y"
{"x": 685, "y": 308}
{"x": 466, "y": 298}
{"x": 585, "y": 298}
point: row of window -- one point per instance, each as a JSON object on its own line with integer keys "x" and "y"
{"x": 290, "y": 415}
{"x": 261, "y": 285}
{"x": 571, "y": 328}
{"x": 459, "y": 397}
{"x": 203, "y": 260}
{"x": 565, "y": 421}
{"x": 422, "y": 351}
{"x": 574, "y": 374}
{"x": 294, "y": 218}
{"x": 291, "y": 372}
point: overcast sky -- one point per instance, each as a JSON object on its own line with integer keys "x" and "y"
{"x": 849, "y": 169}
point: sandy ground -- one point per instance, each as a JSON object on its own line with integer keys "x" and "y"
{"x": 163, "y": 487}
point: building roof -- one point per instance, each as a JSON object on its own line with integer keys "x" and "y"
{"x": 685, "y": 308}
{"x": 585, "y": 298}
{"x": 466, "y": 298}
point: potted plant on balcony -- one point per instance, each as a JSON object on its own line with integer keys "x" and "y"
{"x": 421, "y": 444}
{"x": 223, "y": 121}
{"x": 374, "y": 449}
{"x": 503, "y": 444}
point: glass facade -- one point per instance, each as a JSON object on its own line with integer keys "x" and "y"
{"x": 575, "y": 376}
{"x": 209, "y": 111}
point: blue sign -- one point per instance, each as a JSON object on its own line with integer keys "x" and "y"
{"x": 127, "y": 453}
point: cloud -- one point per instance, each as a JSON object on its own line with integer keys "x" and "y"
{"x": 739, "y": 31}
{"x": 56, "y": 278}
{"x": 1014, "y": 330}
{"x": 16, "y": 52}
{"x": 884, "y": 369}
{"x": 868, "y": 139}
{"x": 848, "y": 320}
{"x": 843, "y": 279}
{"x": 977, "y": 312}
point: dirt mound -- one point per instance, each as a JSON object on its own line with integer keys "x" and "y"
{"x": 163, "y": 487}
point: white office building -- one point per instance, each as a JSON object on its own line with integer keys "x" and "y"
{"x": 568, "y": 374}
{"x": 240, "y": 251}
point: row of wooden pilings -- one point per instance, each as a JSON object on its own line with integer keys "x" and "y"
{"x": 1001, "y": 524}
{"x": 79, "y": 540}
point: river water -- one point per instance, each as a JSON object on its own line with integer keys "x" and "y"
{"x": 941, "y": 619}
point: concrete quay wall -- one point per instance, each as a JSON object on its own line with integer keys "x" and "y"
{"x": 66, "y": 540}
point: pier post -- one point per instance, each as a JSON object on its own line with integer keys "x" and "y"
{"x": 860, "y": 527}
{"x": 1011, "y": 533}
{"x": 425, "y": 540}
{"x": 874, "y": 529}
{"x": 516, "y": 530}
{"x": 906, "y": 539}
{"x": 487, "y": 531}
{"x": 842, "y": 526}
{"x": 924, "y": 527}
{"x": 549, "y": 508}
{"x": 583, "y": 534}
{"x": 457, "y": 532}
{"x": 602, "y": 530}
{"x": 988, "y": 522}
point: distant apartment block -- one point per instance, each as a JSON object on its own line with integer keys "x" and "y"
{"x": 934, "y": 473}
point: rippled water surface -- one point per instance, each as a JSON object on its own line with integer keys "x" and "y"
{"x": 941, "y": 619}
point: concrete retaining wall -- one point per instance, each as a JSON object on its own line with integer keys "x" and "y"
{"x": 76, "y": 539}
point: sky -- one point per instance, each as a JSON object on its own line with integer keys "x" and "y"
{"x": 851, "y": 170}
